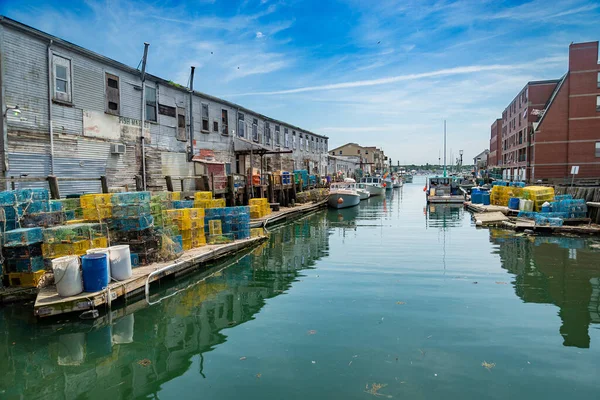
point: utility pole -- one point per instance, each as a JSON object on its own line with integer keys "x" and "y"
{"x": 191, "y": 153}
{"x": 444, "y": 148}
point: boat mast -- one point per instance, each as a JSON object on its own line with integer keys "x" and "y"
{"x": 444, "y": 148}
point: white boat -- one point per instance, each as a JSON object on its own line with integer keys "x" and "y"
{"x": 389, "y": 185}
{"x": 343, "y": 195}
{"x": 363, "y": 191}
{"x": 374, "y": 185}
{"x": 396, "y": 182}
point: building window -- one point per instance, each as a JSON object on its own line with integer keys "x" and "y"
{"x": 598, "y": 83}
{"x": 205, "y": 123}
{"x": 216, "y": 126}
{"x": 224, "y": 122}
{"x": 267, "y": 133}
{"x": 597, "y": 149}
{"x": 181, "y": 131}
{"x": 62, "y": 78}
{"x": 286, "y": 138}
{"x": 312, "y": 144}
{"x": 301, "y": 142}
{"x": 241, "y": 125}
{"x": 150, "y": 104}
{"x": 277, "y": 136}
{"x": 255, "y": 129}
{"x": 597, "y": 103}
{"x": 294, "y": 140}
{"x": 306, "y": 143}
{"x": 112, "y": 94}
{"x": 340, "y": 152}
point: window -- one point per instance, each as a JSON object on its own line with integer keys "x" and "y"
{"x": 205, "y": 123}
{"x": 598, "y": 83}
{"x": 150, "y": 104}
{"x": 306, "y": 142}
{"x": 286, "y": 138}
{"x": 255, "y": 129}
{"x": 312, "y": 144}
{"x": 62, "y": 78}
{"x": 294, "y": 140}
{"x": 325, "y": 148}
{"x": 224, "y": 122}
{"x": 241, "y": 125}
{"x": 597, "y": 103}
{"x": 340, "y": 152}
{"x": 181, "y": 127}
{"x": 277, "y": 136}
{"x": 267, "y": 133}
{"x": 216, "y": 126}
{"x": 301, "y": 142}
{"x": 597, "y": 149}
{"x": 112, "y": 94}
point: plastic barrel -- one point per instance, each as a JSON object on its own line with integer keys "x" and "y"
{"x": 546, "y": 209}
{"x": 513, "y": 203}
{"x": 477, "y": 197}
{"x": 485, "y": 198}
{"x": 120, "y": 262}
{"x": 95, "y": 272}
{"x": 67, "y": 276}
{"x": 102, "y": 250}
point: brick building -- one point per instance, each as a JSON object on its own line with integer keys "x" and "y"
{"x": 568, "y": 132}
{"x": 553, "y": 125}
{"x": 495, "y": 155}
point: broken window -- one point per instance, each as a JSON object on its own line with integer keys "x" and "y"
{"x": 241, "y": 125}
{"x": 255, "y": 129}
{"x": 150, "y": 103}
{"x": 205, "y": 123}
{"x": 224, "y": 122}
{"x": 62, "y": 78}
{"x": 181, "y": 131}
{"x": 112, "y": 94}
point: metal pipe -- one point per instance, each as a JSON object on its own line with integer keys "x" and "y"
{"x": 50, "y": 85}
{"x": 191, "y": 155}
{"x": 143, "y": 121}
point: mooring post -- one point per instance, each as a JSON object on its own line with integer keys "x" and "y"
{"x": 271, "y": 188}
{"x": 230, "y": 195}
{"x": 53, "y": 185}
{"x": 169, "y": 181}
{"x": 104, "y": 184}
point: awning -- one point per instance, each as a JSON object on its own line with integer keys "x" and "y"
{"x": 243, "y": 146}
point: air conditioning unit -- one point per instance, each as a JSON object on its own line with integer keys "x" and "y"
{"x": 117, "y": 148}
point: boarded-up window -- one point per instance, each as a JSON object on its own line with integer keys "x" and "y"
{"x": 181, "y": 127}
{"x": 112, "y": 94}
{"x": 62, "y": 78}
{"x": 216, "y": 126}
{"x": 205, "y": 123}
{"x": 224, "y": 122}
{"x": 167, "y": 110}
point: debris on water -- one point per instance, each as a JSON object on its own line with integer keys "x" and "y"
{"x": 400, "y": 302}
{"x": 242, "y": 358}
{"x": 434, "y": 374}
{"x": 258, "y": 375}
{"x": 488, "y": 365}
{"x": 422, "y": 353}
{"x": 355, "y": 356}
{"x": 429, "y": 337}
{"x": 312, "y": 332}
{"x": 501, "y": 283}
{"x": 375, "y": 388}
{"x": 350, "y": 363}
{"x": 314, "y": 362}
{"x": 475, "y": 283}
{"x": 145, "y": 362}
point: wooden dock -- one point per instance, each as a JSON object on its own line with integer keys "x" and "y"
{"x": 286, "y": 214}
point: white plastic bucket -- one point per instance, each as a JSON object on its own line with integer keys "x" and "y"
{"x": 102, "y": 250}
{"x": 120, "y": 262}
{"x": 67, "y": 276}
{"x": 122, "y": 332}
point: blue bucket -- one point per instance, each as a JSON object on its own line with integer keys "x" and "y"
{"x": 486, "y": 198}
{"x": 546, "y": 209}
{"x": 513, "y": 203}
{"x": 95, "y": 272}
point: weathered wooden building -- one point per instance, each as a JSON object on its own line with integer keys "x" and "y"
{"x": 70, "y": 112}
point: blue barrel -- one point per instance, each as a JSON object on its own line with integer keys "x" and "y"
{"x": 95, "y": 272}
{"x": 476, "y": 197}
{"x": 486, "y": 198}
{"x": 513, "y": 203}
{"x": 546, "y": 209}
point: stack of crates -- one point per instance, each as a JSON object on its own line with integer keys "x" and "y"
{"x": 226, "y": 224}
{"x": 179, "y": 204}
{"x": 71, "y": 208}
{"x": 500, "y": 195}
{"x": 571, "y": 208}
{"x": 286, "y": 178}
{"x": 189, "y": 223}
{"x": 96, "y": 207}
{"x": 159, "y": 203}
{"x": 28, "y": 208}
{"x": 301, "y": 174}
{"x": 74, "y": 239}
{"x": 203, "y": 200}
{"x": 259, "y": 208}
{"x": 24, "y": 261}
{"x": 539, "y": 195}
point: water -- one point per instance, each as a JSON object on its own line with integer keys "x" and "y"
{"x": 390, "y": 292}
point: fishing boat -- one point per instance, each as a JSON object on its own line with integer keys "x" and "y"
{"x": 443, "y": 190}
{"x": 363, "y": 192}
{"x": 374, "y": 185}
{"x": 396, "y": 182}
{"x": 387, "y": 182}
{"x": 343, "y": 195}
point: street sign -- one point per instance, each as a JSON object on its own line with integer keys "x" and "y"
{"x": 574, "y": 169}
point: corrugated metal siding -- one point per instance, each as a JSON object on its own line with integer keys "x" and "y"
{"x": 67, "y": 120}
{"x": 30, "y": 165}
{"x": 88, "y": 87}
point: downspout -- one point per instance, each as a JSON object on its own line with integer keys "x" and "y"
{"x": 4, "y": 120}
{"x": 142, "y": 122}
{"x": 50, "y": 107}
{"x": 191, "y": 155}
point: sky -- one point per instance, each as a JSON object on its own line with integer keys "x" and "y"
{"x": 379, "y": 73}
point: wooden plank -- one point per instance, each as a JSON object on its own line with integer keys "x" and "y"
{"x": 489, "y": 218}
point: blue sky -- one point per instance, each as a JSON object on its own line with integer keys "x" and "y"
{"x": 383, "y": 73}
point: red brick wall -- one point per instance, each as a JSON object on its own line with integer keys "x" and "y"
{"x": 583, "y": 56}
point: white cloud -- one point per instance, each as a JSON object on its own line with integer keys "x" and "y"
{"x": 259, "y": 35}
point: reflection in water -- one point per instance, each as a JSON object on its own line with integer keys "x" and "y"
{"x": 555, "y": 270}
{"x": 444, "y": 216}
{"x": 133, "y": 350}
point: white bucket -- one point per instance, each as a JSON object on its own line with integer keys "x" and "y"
{"x": 522, "y": 204}
{"x": 120, "y": 262}
{"x": 122, "y": 332}
{"x": 102, "y": 250}
{"x": 67, "y": 276}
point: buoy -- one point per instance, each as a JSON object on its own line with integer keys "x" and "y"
{"x": 340, "y": 200}
{"x": 478, "y": 222}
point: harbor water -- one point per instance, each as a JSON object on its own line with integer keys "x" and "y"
{"x": 391, "y": 299}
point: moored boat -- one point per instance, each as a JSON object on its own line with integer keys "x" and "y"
{"x": 443, "y": 190}
{"x": 374, "y": 185}
{"x": 363, "y": 192}
{"x": 343, "y": 195}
